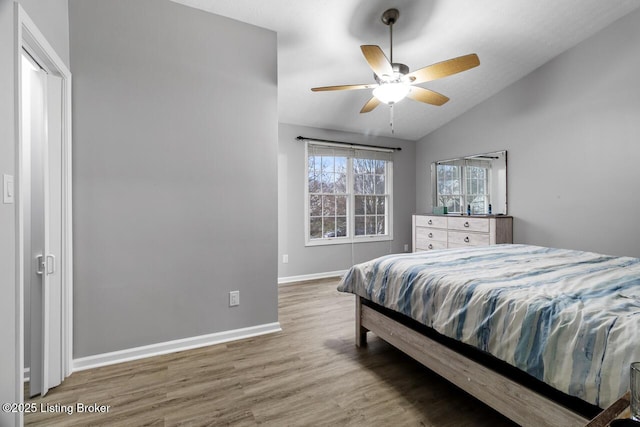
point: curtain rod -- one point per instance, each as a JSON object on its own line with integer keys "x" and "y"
{"x": 350, "y": 144}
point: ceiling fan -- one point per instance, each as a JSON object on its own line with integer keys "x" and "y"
{"x": 394, "y": 82}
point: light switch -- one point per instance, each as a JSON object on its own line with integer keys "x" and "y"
{"x": 7, "y": 189}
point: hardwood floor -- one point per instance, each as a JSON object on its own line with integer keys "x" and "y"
{"x": 311, "y": 374}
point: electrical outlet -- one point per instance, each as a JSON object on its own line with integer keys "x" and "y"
{"x": 406, "y": 247}
{"x": 285, "y": 259}
{"x": 234, "y": 298}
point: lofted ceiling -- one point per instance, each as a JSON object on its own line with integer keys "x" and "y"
{"x": 319, "y": 45}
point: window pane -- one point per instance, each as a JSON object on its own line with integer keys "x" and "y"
{"x": 315, "y": 228}
{"x": 478, "y": 205}
{"x": 329, "y": 227}
{"x": 327, "y": 182}
{"x": 453, "y": 203}
{"x": 314, "y": 183}
{"x": 359, "y": 225}
{"x": 381, "y": 225}
{"x": 450, "y": 186}
{"x": 341, "y": 183}
{"x": 358, "y": 186}
{"x": 341, "y": 226}
{"x": 380, "y": 205}
{"x": 314, "y": 164}
{"x": 327, "y": 164}
{"x": 359, "y": 208}
{"x": 341, "y": 165}
{"x": 369, "y": 184}
{"x": 315, "y": 205}
{"x": 380, "y": 166}
{"x": 370, "y": 205}
{"x": 371, "y": 225}
{"x": 380, "y": 187}
{"x": 328, "y": 206}
{"x": 341, "y": 205}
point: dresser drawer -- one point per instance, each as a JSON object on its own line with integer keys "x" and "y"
{"x": 430, "y": 246}
{"x": 469, "y": 224}
{"x": 425, "y": 235}
{"x": 467, "y": 239}
{"x": 431, "y": 221}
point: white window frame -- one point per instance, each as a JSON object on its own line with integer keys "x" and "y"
{"x": 465, "y": 195}
{"x": 351, "y": 237}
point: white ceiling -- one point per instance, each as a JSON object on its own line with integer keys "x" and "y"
{"x": 319, "y": 45}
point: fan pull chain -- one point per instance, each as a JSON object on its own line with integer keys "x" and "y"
{"x": 391, "y": 118}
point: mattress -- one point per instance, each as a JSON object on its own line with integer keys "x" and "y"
{"x": 568, "y": 318}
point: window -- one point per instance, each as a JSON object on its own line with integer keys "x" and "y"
{"x": 348, "y": 194}
{"x": 463, "y": 182}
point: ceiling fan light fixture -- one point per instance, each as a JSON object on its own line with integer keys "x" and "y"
{"x": 394, "y": 82}
{"x": 392, "y": 92}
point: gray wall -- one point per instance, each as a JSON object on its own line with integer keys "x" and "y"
{"x": 291, "y": 181}
{"x": 52, "y": 19}
{"x": 175, "y": 171}
{"x": 572, "y": 132}
{"x": 9, "y": 378}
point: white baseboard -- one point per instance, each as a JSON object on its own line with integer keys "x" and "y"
{"x": 314, "y": 276}
{"x": 26, "y": 375}
{"x": 136, "y": 353}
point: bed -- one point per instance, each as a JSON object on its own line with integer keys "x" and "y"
{"x": 567, "y": 319}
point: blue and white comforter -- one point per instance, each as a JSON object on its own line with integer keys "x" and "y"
{"x": 568, "y": 318}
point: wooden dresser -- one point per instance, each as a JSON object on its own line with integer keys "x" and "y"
{"x": 455, "y": 231}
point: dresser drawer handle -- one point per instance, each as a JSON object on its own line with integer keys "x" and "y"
{"x": 430, "y": 235}
{"x": 430, "y": 246}
{"x": 466, "y": 224}
{"x": 466, "y": 239}
{"x": 430, "y": 222}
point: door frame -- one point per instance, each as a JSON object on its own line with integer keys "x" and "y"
{"x": 30, "y": 38}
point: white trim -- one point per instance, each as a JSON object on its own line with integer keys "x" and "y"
{"x": 313, "y": 276}
{"x": 29, "y": 37}
{"x": 351, "y": 237}
{"x": 158, "y": 349}
{"x": 25, "y": 375}
{"x": 348, "y": 241}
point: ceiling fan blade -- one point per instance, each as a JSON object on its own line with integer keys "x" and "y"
{"x": 427, "y": 96}
{"x": 444, "y": 68}
{"x": 377, "y": 60}
{"x": 343, "y": 87}
{"x": 370, "y": 105}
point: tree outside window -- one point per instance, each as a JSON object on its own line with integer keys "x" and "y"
{"x": 348, "y": 194}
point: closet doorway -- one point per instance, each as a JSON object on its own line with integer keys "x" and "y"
{"x": 44, "y": 210}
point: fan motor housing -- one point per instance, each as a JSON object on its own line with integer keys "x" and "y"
{"x": 390, "y": 16}
{"x": 398, "y": 70}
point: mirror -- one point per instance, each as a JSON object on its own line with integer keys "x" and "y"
{"x": 477, "y": 182}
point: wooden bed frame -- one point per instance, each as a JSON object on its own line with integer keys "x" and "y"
{"x": 512, "y": 399}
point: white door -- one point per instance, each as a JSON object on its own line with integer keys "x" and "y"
{"x": 42, "y": 192}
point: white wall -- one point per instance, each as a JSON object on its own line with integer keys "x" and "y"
{"x": 175, "y": 173}
{"x": 291, "y": 181}
{"x": 572, "y": 131}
